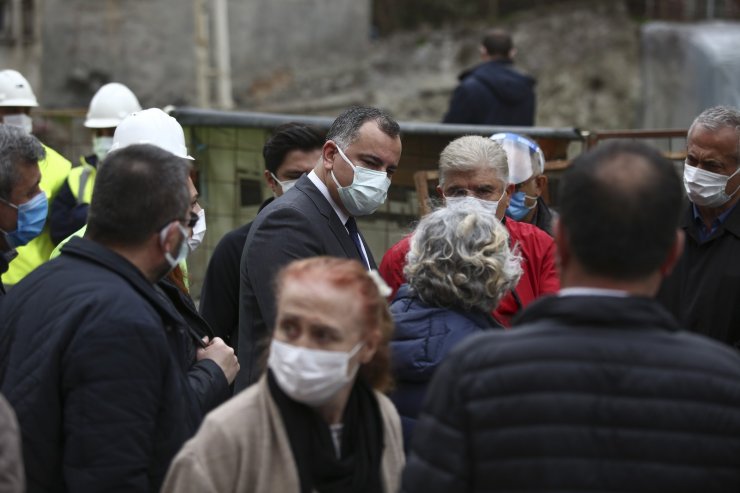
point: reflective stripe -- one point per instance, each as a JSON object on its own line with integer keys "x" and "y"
{"x": 83, "y": 184}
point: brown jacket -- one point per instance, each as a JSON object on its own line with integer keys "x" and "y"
{"x": 12, "y": 477}
{"x": 243, "y": 446}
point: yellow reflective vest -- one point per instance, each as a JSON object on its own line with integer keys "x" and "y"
{"x": 54, "y": 171}
{"x": 81, "y": 181}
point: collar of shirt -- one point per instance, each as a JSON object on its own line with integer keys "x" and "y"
{"x": 586, "y": 291}
{"x": 325, "y": 192}
{"x": 703, "y": 232}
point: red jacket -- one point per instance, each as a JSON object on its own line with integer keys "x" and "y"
{"x": 539, "y": 276}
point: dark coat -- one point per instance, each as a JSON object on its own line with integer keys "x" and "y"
{"x": 493, "y": 93}
{"x": 219, "y": 298}
{"x": 206, "y": 378}
{"x": 97, "y": 373}
{"x": 703, "y": 291}
{"x": 544, "y": 216}
{"x": 299, "y": 224}
{"x": 423, "y": 337}
{"x": 589, "y": 393}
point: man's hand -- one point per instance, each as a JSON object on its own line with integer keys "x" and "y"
{"x": 221, "y": 354}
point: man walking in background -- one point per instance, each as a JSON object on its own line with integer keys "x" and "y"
{"x": 494, "y": 93}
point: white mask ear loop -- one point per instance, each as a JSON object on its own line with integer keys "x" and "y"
{"x": 346, "y": 160}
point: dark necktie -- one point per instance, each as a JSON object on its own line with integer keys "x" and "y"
{"x": 351, "y": 226}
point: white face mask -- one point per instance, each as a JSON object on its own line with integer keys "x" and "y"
{"x": 199, "y": 231}
{"x": 284, "y": 185}
{"x": 182, "y": 253}
{"x": 311, "y": 376}
{"x": 366, "y": 193}
{"x": 101, "y": 146}
{"x": 469, "y": 202}
{"x": 705, "y": 188}
{"x": 21, "y": 120}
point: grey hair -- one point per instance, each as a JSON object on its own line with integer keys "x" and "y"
{"x": 346, "y": 127}
{"x": 718, "y": 117}
{"x": 470, "y": 153}
{"x": 460, "y": 258}
{"x": 17, "y": 148}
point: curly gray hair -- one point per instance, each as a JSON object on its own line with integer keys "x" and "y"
{"x": 460, "y": 258}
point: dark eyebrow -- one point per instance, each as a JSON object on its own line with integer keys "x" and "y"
{"x": 372, "y": 159}
{"x": 328, "y": 328}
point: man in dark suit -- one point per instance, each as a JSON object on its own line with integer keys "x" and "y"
{"x": 316, "y": 217}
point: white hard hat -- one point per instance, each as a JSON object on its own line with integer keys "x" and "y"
{"x": 524, "y": 156}
{"x": 15, "y": 90}
{"x": 111, "y": 104}
{"x": 151, "y": 126}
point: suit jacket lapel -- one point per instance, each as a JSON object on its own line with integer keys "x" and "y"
{"x": 305, "y": 185}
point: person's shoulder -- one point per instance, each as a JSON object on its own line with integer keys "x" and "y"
{"x": 400, "y": 248}
{"x": 234, "y": 239}
{"x": 525, "y": 232}
{"x": 55, "y": 157}
{"x": 238, "y": 411}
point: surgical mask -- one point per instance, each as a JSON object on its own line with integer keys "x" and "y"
{"x": 311, "y": 376}
{"x": 20, "y": 120}
{"x": 284, "y": 185}
{"x": 199, "y": 231}
{"x": 182, "y": 253}
{"x": 468, "y": 202}
{"x": 705, "y": 188}
{"x": 31, "y": 219}
{"x": 518, "y": 207}
{"x": 366, "y": 193}
{"x": 101, "y": 146}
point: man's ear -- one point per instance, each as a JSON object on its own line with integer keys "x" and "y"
{"x": 440, "y": 193}
{"x": 328, "y": 153}
{"x": 674, "y": 254}
{"x": 274, "y": 185}
{"x": 540, "y": 183}
{"x": 510, "y": 191}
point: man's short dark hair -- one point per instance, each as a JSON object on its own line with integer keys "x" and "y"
{"x": 138, "y": 190}
{"x": 346, "y": 127}
{"x": 17, "y": 148}
{"x": 286, "y": 138}
{"x": 620, "y": 208}
{"x": 497, "y": 43}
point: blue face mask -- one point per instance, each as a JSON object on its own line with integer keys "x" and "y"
{"x": 31, "y": 219}
{"x": 517, "y": 206}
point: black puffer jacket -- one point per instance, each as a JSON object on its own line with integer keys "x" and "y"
{"x": 591, "y": 394}
{"x": 97, "y": 373}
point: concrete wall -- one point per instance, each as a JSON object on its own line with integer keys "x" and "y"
{"x": 687, "y": 68}
{"x": 273, "y": 39}
{"x": 147, "y": 45}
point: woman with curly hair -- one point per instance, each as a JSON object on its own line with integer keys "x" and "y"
{"x": 458, "y": 268}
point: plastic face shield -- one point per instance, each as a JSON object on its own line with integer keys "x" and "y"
{"x": 524, "y": 156}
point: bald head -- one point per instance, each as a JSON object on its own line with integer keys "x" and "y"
{"x": 620, "y": 206}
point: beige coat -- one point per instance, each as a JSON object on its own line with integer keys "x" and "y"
{"x": 12, "y": 476}
{"x": 243, "y": 446}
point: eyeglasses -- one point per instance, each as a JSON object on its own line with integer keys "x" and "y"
{"x": 482, "y": 192}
